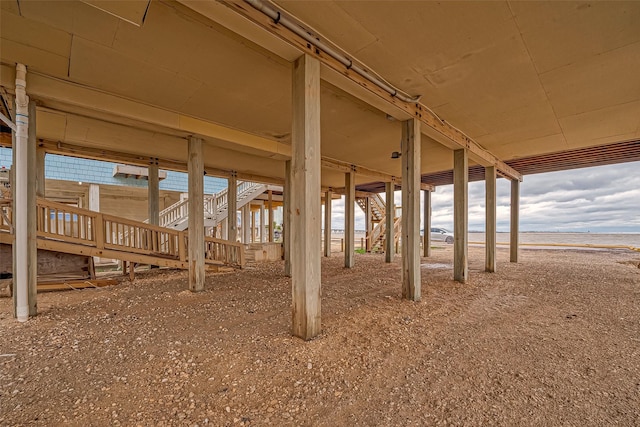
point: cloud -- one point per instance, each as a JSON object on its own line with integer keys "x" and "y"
{"x": 598, "y": 199}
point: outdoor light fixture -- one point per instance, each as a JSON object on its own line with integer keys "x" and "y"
{"x": 396, "y": 155}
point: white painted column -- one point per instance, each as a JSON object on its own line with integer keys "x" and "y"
{"x": 460, "y": 215}
{"x": 515, "y": 221}
{"x": 349, "y": 218}
{"x": 426, "y": 238}
{"x": 389, "y": 239}
{"x": 196, "y": 215}
{"x": 286, "y": 218}
{"x": 154, "y": 193}
{"x": 490, "y": 218}
{"x": 232, "y": 207}
{"x": 411, "y": 209}
{"x": 305, "y": 198}
{"x": 20, "y": 182}
{"x": 327, "y": 222}
{"x": 263, "y": 226}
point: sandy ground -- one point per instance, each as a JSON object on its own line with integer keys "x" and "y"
{"x": 553, "y": 340}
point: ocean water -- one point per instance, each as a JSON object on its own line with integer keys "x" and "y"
{"x": 627, "y": 239}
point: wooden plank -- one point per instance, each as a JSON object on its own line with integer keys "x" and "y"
{"x": 490, "y": 219}
{"x": 460, "y": 215}
{"x": 514, "y": 235}
{"x": 69, "y": 285}
{"x": 411, "y": 136}
{"x": 305, "y": 200}
{"x": 196, "y": 215}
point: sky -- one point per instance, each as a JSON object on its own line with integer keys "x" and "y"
{"x": 603, "y": 199}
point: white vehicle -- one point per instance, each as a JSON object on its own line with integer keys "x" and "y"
{"x": 440, "y": 235}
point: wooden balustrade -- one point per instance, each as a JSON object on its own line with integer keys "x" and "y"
{"x": 62, "y": 225}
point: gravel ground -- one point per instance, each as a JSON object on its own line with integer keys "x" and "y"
{"x": 553, "y": 340}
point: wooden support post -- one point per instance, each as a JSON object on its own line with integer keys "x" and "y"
{"x": 232, "y": 207}
{"x": 246, "y": 226}
{"x": 32, "y": 247}
{"x": 368, "y": 222}
{"x": 94, "y": 205}
{"x": 327, "y": 222}
{"x": 154, "y": 193}
{"x": 305, "y": 200}
{"x": 263, "y": 226}
{"x": 40, "y": 172}
{"x": 389, "y": 219}
{"x": 349, "y": 219}
{"x": 252, "y": 223}
{"x": 132, "y": 271}
{"x": 286, "y": 218}
{"x": 460, "y": 214}
{"x": 426, "y": 238}
{"x": 411, "y": 209}
{"x": 515, "y": 220}
{"x": 196, "y": 215}
{"x": 270, "y": 207}
{"x": 490, "y": 218}
{"x": 224, "y": 229}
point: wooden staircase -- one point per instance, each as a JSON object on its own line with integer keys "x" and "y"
{"x": 72, "y": 230}
{"x": 216, "y": 208}
{"x": 376, "y": 237}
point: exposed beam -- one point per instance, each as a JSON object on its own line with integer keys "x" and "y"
{"x": 435, "y": 128}
{"x": 44, "y": 87}
{"x": 347, "y": 167}
{"x": 74, "y": 150}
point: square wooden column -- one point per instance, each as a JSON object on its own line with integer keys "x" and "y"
{"x": 426, "y": 237}
{"x": 389, "y": 237}
{"x": 270, "y": 207}
{"x": 460, "y": 215}
{"x": 411, "y": 209}
{"x": 232, "y": 207}
{"x": 327, "y": 222}
{"x": 286, "y": 218}
{"x": 368, "y": 222}
{"x": 305, "y": 198}
{"x": 490, "y": 177}
{"x": 263, "y": 226}
{"x": 514, "y": 235}
{"x": 195, "y": 168}
{"x": 154, "y": 193}
{"x": 246, "y": 224}
{"x": 349, "y": 218}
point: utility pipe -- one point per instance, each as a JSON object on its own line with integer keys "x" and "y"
{"x": 21, "y": 206}
{"x": 279, "y": 18}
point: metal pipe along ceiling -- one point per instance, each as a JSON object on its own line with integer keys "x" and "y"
{"x": 279, "y": 18}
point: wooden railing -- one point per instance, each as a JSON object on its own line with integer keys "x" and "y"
{"x": 60, "y": 222}
{"x": 224, "y": 251}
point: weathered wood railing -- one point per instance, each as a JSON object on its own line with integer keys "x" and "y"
{"x": 64, "y": 223}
